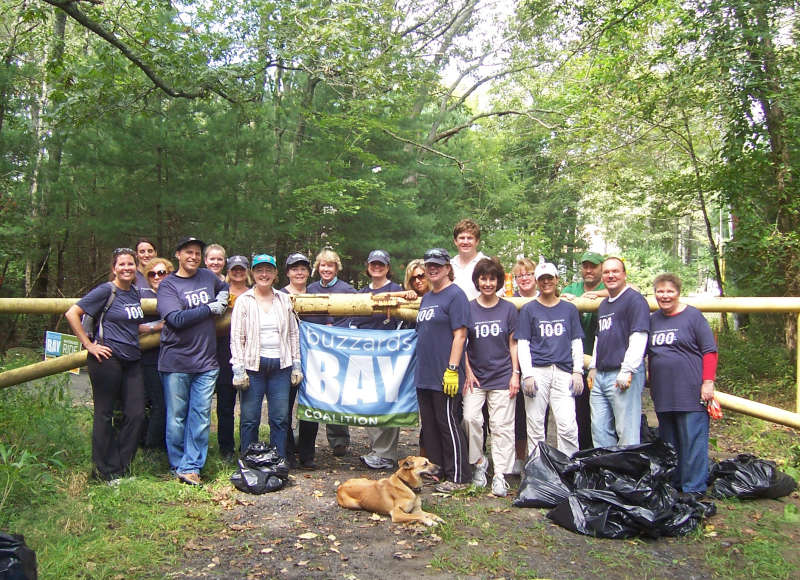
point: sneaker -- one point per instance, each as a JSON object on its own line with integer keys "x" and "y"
{"x": 499, "y": 485}
{"x": 340, "y": 450}
{"x": 114, "y": 482}
{"x": 519, "y": 465}
{"x": 308, "y": 464}
{"x": 479, "y": 472}
{"x": 190, "y": 478}
{"x": 449, "y": 487}
{"x": 377, "y": 462}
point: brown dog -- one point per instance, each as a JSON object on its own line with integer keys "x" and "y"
{"x": 395, "y": 496}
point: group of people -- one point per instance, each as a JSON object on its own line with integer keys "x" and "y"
{"x": 485, "y": 371}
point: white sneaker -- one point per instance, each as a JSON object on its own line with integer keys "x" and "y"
{"x": 499, "y": 485}
{"x": 519, "y": 465}
{"x": 479, "y": 472}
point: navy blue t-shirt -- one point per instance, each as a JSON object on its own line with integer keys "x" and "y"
{"x": 675, "y": 359}
{"x": 378, "y": 321}
{"x": 489, "y": 332}
{"x": 192, "y": 349}
{"x": 340, "y": 287}
{"x": 440, "y": 313}
{"x": 550, "y": 331}
{"x": 122, "y": 320}
{"x": 616, "y": 321}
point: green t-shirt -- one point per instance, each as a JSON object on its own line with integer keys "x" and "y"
{"x": 588, "y": 319}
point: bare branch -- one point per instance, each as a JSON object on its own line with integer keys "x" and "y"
{"x": 425, "y": 148}
{"x": 444, "y": 135}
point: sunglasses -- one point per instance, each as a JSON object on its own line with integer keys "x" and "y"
{"x": 119, "y": 251}
{"x": 418, "y": 277}
{"x": 159, "y": 274}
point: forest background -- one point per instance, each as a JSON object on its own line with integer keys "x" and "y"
{"x": 665, "y": 129}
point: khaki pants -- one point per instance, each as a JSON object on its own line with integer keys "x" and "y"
{"x": 501, "y": 426}
{"x": 554, "y": 388}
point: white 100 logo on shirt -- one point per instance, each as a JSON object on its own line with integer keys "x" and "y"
{"x": 604, "y": 324}
{"x": 484, "y": 329}
{"x": 134, "y": 312}
{"x": 660, "y": 338}
{"x": 425, "y": 314}
{"x": 551, "y": 329}
{"x": 197, "y": 298}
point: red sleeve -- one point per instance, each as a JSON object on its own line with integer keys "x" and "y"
{"x": 710, "y": 366}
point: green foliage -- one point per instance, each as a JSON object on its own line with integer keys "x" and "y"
{"x": 753, "y": 363}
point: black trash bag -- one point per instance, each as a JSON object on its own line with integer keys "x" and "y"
{"x": 542, "y": 485}
{"x": 647, "y": 434}
{"x": 260, "y": 454}
{"x": 17, "y": 560}
{"x": 256, "y": 481}
{"x": 748, "y": 477}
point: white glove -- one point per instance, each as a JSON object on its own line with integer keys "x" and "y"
{"x": 297, "y": 373}
{"x": 217, "y": 308}
{"x": 223, "y": 296}
{"x": 577, "y": 384}
{"x": 240, "y": 379}
{"x": 529, "y": 386}
{"x": 624, "y": 380}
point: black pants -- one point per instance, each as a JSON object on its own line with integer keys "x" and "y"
{"x": 115, "y": 384}
{"x": 156, "y": 419}
{"x": 305, "y": 446}
{"x": 443, "y": 436}
{"x": 226, "y": 402}
{"x": 583, "y": 416}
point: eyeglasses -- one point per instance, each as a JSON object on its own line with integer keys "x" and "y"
{"x": 159, "y": 274}
{"x": 418, "y": 277}
{"x": 524, "y": 275}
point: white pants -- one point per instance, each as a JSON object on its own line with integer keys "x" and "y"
{"x": 501, "y": 425}
{"x": 554, "y": 388}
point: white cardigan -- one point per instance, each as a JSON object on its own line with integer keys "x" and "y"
{"x": 245, "y": 328}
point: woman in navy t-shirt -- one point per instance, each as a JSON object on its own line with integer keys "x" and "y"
{"x": 114, "y": 365}
{"x": 441, "y": 333}
{"x": 682, "y": 360}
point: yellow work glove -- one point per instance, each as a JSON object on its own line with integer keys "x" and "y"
{"x": 450, "y": 383}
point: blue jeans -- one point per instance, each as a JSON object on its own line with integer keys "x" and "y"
{"x": 273, "y": 382}
{"x": 616, "y": 414}
{"x": 688, "y": 433}
{"x": 188, "y": 398}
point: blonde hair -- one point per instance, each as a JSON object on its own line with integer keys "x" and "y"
{"x": 413, "y": 265}
{"x": 328, "y": 255}
{"x": 211, "y": 248}
{"x": 523, "y": 264}
{"x": 158, "y": 260}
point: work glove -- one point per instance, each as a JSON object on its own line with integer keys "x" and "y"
{"x": 450, "y": 383}
{"x": 577, "y": 384}
{"x": 624, "y": 380}
{"x": 241, "y": 381}
{"x": 223, "y": 296}
{"x": 529, "y": 386}
{"x": 590, "y": 378}
{"x": 217, "y": 308}
{"x": 297, "y": 373}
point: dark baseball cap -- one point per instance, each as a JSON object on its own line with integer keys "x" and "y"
{"x": 592, "y": 257}
{"x": 297, "y": 258}
{"x": 436, "y": 256}
{"x": 189, "y": 240}
{"x": 234, "y": 261}
{"x": 381, "y": 256}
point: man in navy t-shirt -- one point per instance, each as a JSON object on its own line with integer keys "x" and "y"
{"x": 189, "y": 301}
{"x": 617, "y": 371}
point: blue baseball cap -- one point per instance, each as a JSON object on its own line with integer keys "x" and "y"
{"x": 234, "y": 261}
{"x": 381, "y": 256}
{"x": 264, "y": 259}
{"x": 297, "y": 258}
{"x": 437, "y": 256}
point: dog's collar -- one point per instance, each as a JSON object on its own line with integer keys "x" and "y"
{"x": 414, "y": 489}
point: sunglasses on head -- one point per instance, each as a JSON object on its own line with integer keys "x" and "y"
{"x": 160, "y": 274}
{"x": 119, "y": 251}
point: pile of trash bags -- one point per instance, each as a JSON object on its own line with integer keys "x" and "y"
{"x": 261, "y": 470}
{"x": 748, "y": 477}
{"x": 614, "y": 492}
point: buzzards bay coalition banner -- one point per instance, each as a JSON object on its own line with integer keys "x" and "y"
{"x": 358, "y": 377}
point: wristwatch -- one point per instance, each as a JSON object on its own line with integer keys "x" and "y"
{"x": 452, "y": 367}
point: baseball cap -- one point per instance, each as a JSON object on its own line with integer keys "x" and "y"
{"x": 297, "y": 258}
{"x": 592, "y": 257}
{"x": 545, "y": 269}
{"x": 189, "y": 240}
{"x": 378, "y": 256}
{"x": 264, "y": 259}
{"x": 436, "y": 256}
{"x": 238, "y": 261}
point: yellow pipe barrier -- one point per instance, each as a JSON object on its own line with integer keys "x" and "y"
{"x": 759, "y": 410}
